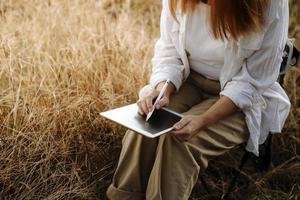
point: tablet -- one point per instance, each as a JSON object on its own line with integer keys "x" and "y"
{"x": 160, "y": 122}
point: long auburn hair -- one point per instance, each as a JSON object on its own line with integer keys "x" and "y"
{"x": 235, "y": 17}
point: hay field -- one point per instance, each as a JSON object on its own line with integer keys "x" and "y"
{"x": 62, "y": 62}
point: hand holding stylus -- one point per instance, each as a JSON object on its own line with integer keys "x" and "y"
{"x": 162, "y": 92}
{"x": 145, "y": 102}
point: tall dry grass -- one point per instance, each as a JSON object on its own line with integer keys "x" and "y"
{"x": 62, "y": 62}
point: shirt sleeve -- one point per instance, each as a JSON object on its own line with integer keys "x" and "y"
{"x": 263, "y": 55}
{"x": 166, "y": 62}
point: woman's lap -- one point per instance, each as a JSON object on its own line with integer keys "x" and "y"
{"x": 217, "y": 138}
{"x": 153, "y": 158}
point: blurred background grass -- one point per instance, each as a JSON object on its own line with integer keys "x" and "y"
{"x": 62, "y": 62}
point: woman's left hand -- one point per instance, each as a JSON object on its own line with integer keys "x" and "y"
{"x": 188, "y": 126}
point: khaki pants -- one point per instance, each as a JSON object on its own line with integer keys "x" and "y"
{"x": 164, "y": 168}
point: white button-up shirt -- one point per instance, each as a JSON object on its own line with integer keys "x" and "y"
{"x": 248, "y": 76}
{"x": 205, "y": 53}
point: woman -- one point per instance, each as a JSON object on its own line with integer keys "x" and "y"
{"x": 223, "y": 60}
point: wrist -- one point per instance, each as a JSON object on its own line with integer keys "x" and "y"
{"x": 170, "y": 89}
{"x": 206, "y": 120}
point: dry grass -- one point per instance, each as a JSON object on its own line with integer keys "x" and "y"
{"x": 62, "y": 62}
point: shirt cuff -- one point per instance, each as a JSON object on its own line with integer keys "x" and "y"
{"x": 241, "y": 93}
{"x": 144, "y": 90}
{"x": 163, "y": 76}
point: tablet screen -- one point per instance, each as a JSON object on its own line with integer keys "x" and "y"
{"x": 160, "y": 121}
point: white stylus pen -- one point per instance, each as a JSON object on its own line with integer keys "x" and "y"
{"x": 161, "y": 93}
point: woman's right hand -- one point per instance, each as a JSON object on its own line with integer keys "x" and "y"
{"x": 145, "y": 102}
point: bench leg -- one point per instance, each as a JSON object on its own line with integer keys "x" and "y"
{"x": 242, "y": 163}
{"x": 205, "y": 185}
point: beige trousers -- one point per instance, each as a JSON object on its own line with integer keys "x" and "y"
{"x": 164, "y": 168}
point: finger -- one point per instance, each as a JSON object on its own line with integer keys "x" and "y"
{"x": 163, "y": 102}
{"x": 186, "y": 134}
{"x": 149, "y": 103}
{"x": 182, "y": 123}
{"x": 182, "y": 137}
{"x": 144, "y": 107}
{"x": 138, "y": 103}
{"x": 182, "y": 131}
{"x": 179, "y": 132}
{"x": 140, "y": 112}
